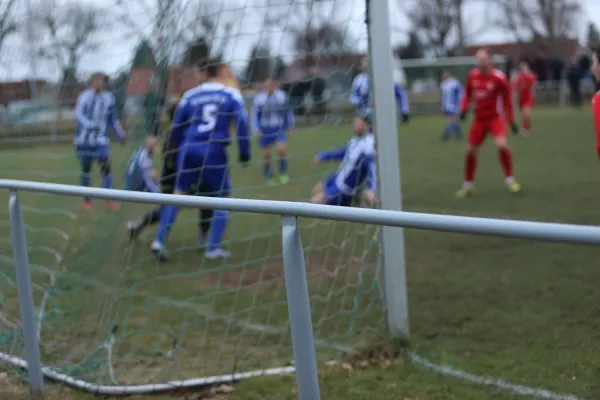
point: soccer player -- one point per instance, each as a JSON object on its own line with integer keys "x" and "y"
{"x": 95, "y": 114}
{"x": 487, "y": 86}
{"x": 360, "y": 94}
{"x": 524, "y": 84}
{"x": 596, "y": 98}
{"x": 452, "y": 93}
{"x": 140, "y": 175}
{"x": 272, "y": 119}
{"x": 201, "y": 132}
{"x": 356, "y": 169}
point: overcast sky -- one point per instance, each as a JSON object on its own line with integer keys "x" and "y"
{"x": 116, "y": 50}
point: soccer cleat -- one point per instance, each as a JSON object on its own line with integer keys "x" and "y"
{"x": 464, "y": 192}
{"x": 160, "y": 251}
{"x": 216, "y": 254}
{"x": 283, "y": 179}
{"x": 514, "y": 187}
{"x": 87, "y": 205}
{"x": 112, "y": 206}
{"x": 271, "y": 182}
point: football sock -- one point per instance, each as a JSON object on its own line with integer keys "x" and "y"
{"x": 168, "y": 215}
{"x": 448, "y": 130}
{"x": 205, "y": 221}
{"x": 107, "y": 181}
{"x": 283, "y": 165}
{"x": 470, "y": 166}
{"x": 267, "y": 170}
{"x": 526, "y": 123}
{"x": 457, "y": 129}
{"x": 219, "y": 224}
{"x": 150, "y": 218}
{"x": 85, "y": 181}
{"x": 506, "y": 161}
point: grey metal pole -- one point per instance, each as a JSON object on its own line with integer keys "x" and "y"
{"x": 298, "y": 301}
{"x": 28, "y": 320}
{"x": 393, "y": 274}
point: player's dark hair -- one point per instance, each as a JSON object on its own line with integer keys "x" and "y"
{"x": 211, "y": 67}
{"x": 100, "y": 75}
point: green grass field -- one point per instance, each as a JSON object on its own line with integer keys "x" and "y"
{"x": 522, "y": 311}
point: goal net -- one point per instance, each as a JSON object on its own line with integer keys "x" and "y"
{"x": 108, "y": 312}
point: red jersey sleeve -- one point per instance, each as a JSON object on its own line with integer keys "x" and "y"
{"x": 596, "y": 112}
{"x": 466, "y": 100}
{"x": 506, "y": 93}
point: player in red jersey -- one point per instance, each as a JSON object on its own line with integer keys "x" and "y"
{"x": 488, "y": 87}
{"x": 524, "y": 84}
{"x": 596, "y": 98}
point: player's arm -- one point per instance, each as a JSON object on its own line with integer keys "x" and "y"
{"x": 370, "y": 194}
{"x": 114, "y": 121}
{"x": 596, "y": 112}
{"x": 355, "y": 95}
{"x": 288, "y": 115}
{"x": 533, "y": 85}
{"x": 333, "y": 155}
{"x": 256, "y": 113}
{"x": 180, "y": 123}
{"x": 508, "y": 101}
{"x": 242, "y": 127}
{"x": 466, "y": 100}
{"x": 402, "y": 102}
{"x": 82, "y": 102}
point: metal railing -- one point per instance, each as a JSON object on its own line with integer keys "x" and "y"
{"x": 293, "y": 256}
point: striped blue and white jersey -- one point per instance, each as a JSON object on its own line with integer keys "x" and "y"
{"x": 271, "y": 113}
{"x": 138, "y": 175}
{"x": 358, "y": 164}
{"x": 95, "y": 114}
{"x": 360, "y": 95}
{"x": 204, "y": 116}
{"x": 452, "y": 93}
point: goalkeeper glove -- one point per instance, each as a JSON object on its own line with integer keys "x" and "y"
{"x": 405, "y": 118}
{"x": 463, "y": 115}
{"x": 514, "y": 128}
{"x": 244, "y": 159}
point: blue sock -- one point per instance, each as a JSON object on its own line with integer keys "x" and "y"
{"x": 85, "y": 181}
{"x": 168, "y": 215}
{"x": 283, "y": 165}
{"x": 107, "y": 181}
{"x": 457, "y": 130}
{"x": 219, "y": 224}
{"x": 448, "y": 130}
{"x": 268, "y": 171}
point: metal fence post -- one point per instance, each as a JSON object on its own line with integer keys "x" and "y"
{"x": 28, "y": 320}
{"x": 393, "y": 274}
{"x": 298, "y": 301}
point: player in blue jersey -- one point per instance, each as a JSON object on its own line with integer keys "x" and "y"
{"x": 360, "y": 94}
{"x": 140, "y": 176}
{"x": 272, "y": 119}
{"x": 95, "y": 114}
{"x": 201, "y": 133}
{"x": 452, "y": 93}
{"x": 357, "y": 169}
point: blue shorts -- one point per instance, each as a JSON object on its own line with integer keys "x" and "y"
{"x": 268, "y": 139}
{"x": 199, "y": 170}
{"x": 333, "y": 195}
{"x": 85, "y": 153}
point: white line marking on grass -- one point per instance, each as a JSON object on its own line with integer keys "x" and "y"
{"x": 489, "y": 381}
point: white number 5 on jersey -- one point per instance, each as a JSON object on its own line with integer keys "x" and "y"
{"x": 209, "y": 118}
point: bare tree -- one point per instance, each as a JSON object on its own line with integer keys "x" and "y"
{"x": 315, "y": 27}
{"x": 441, "y": 25}
{"x": 68, "y": 33}
{"x": 8, "y": 20}
{"x": 549, "y": 20}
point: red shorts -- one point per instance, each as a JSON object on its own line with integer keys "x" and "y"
{"x": 480, "y": 129}
{"x": 526, "y": 101}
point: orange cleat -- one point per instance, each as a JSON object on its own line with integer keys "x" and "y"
{"x": 87, "y": 205}
{"x": 112, "y": 206}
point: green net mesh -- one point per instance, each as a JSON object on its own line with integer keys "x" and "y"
{"x": 108, "y": 313}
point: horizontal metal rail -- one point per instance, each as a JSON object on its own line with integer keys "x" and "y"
{"x": 544, "y": 231}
